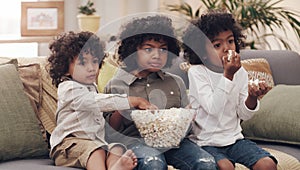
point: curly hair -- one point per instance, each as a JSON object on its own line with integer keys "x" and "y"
{"x": 158, "y": 28}
{"x": 66, "y": 47}
{"x": 207, "y": 27}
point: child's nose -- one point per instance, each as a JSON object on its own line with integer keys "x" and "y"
{"x": 156, "y": 53}
{"x": 226, "y": 47}
{"x": 90, "y": 67}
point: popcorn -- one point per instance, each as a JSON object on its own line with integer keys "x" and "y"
{"x": 230, "y": 53}
{"x": 163, "y": 128}
{"x": 255, "y": 82}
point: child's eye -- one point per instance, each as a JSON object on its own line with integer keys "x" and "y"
{"x": 163, "y": 50}
{"x": 218, "y": 45}
{"x": 148, "y": 50}
{"x": 81, "y": 62}
{"x": 231, "y": 41}
{"x": 96, "y": 60}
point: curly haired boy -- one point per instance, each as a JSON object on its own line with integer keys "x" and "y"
{"x": 147, "y": 45}
{"x": 219, "y": 90}
{"x": 78, "y": 139}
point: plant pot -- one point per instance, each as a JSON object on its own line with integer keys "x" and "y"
{"x": 88, "y": 22}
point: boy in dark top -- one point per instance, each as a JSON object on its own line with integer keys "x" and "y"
{"x": 147, "y": 45}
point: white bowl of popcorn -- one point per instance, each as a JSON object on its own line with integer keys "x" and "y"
{"x": 163, "y": 128}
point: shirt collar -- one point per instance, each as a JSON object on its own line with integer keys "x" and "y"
{"x": 129, "y": 78}
{"x": 90, "y": 87}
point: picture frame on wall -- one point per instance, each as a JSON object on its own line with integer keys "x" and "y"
{"x": 42, "y": 18}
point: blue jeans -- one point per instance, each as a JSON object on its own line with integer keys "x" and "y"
{"x": 149, "y": 158}
{"x": 243, "y": 151}
{"x": 188, "y": 156}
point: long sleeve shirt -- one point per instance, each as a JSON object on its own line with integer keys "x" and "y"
{"x": 220, "y": 105}
{"x": 80, "y": 111}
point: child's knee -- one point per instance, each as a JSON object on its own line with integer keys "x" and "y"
{"x": 117, "y": 150}
{"x": 265, "y": 163}
{"x": 225, "y": 164}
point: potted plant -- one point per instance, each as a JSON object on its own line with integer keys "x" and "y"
{"x": 259, "y": 18}
{"x": 88, "y": 20}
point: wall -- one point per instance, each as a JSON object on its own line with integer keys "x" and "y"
{"x": 109, "y": 10}
{"x": 112, "y": 14}
{"x": 291, "y": 37}
{"x": 70, "y": 12}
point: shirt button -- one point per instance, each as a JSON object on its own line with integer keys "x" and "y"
{"x": 148, "y": 85}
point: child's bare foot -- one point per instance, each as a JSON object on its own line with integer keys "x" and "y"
{"x": 127, "y": 161}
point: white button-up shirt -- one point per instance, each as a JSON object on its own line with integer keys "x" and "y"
{"x": 220, "y": 105}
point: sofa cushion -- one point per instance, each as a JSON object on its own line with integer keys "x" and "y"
{"x": 106, "y": 72}
{"x": 30, "y": 75}
{"x": 278, "y": 117}
{"x": 258, "y": 68}
{"x": 20, "y": 135}
{"x": 31, "y": 78}
{"x": 108, "y": 69}
{"x": 49, "y": 93}
{"x": 33, "y": 164}
{"x": 6, "y": 60}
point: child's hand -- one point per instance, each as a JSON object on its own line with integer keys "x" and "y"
{"x": 231, "y": 64}
{"x": 185, "y": 66}
{"x": 257, "y": 88}
{"x": 140, "y": 103}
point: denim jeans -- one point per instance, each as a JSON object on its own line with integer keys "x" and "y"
{"x": 149, "y": 158}
{"x": 188, "y": 156}
{"x": 243, "y": 151}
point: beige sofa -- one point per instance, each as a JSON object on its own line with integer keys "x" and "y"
{"x": 25, "y": 121}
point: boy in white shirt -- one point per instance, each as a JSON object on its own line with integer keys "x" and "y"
{"x": 219, "y": 90}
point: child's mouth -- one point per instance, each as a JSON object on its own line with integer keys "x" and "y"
{"x": 155, "y": 65}
{"x": 92, "y": 77}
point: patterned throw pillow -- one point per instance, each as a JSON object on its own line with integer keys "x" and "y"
{"x": 259, "y": 68}
{"x": 32, "y": 81}
{"x": 48, "y": 107}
